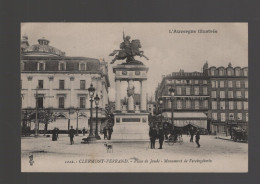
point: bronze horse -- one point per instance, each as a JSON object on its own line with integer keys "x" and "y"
{"x": 128, "y": 53}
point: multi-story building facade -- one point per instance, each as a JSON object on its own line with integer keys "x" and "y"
{"x": 191, "y": 98}
{"x": 60, "y": 83}
{"x": 228, "y": 97}
{"x": 221, "y": 94}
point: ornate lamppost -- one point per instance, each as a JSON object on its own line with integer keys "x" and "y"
{"x": 97, "y": 102}
{"x": 91, "y": 91}
{"x": 172, "y": 90}
{"x": 161, "y": 106}
{"x": 77, "y": 129}
{"x": 231, "y": 118}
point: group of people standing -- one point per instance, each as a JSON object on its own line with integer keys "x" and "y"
{"x": 193, "y": 131}
{"x": 107, "y": 131}
{"x": 154, "y": 134}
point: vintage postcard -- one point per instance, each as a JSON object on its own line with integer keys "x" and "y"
{"x": 134, "y": 97}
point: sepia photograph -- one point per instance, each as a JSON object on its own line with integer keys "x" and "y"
{"x": 134, "y": 97}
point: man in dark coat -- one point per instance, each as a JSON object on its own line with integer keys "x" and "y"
{"x": 152, "y": 135}
{"x": 110, "y": 131}
{"x": 198, "y": 138}
{"x": 161, "y": 137}
{"x": 105, "y": 130}
{"x": 54, "y": 135}
{"x": 191, "y": 134}
{"x": 71, "y": 134}
{"x": 84, "y": 131}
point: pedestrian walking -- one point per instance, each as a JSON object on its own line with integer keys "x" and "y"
{"x": 161, "y": 137}
{"x": 84, "y": 131}
{"x": 71, "y": 134}
{"x": 110, "y": 131}
{"x": 191, "y": 134}
{"x": 54, "y": 138}
{"x": 198, "y": 138}
{"x": 105, "y": 132}
{"x": 152, "y": 135}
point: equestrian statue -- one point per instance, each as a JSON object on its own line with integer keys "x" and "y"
{"x": 128, "y": 50}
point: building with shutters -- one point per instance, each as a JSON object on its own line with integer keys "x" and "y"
{"x": 216, "y": 98}
{"x": 61, "y": 84}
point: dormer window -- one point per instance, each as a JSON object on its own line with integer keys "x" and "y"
{"x": 82, "y": 66}
{"x": 229, "y": 72}
{"x": 237, "y": 72}
{"x": 62, "y": 66}
{"x": 41, "y": 66}
{"x": 212, "y": 72}
{"x": 221, "y": 72}
{"x": 245, "y": 72}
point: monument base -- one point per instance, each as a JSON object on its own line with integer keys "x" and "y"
{"x": 129, "y": 126}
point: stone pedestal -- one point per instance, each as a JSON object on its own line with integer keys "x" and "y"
{"x": 131, "y": 122}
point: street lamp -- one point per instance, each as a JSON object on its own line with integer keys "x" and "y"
{"x": 161, "y": 105}
{"x": 36, "y": 113}
{"x": 77, "y": 129}
{"x": 172, "y": 90}
{"x": 91, "y": 91}
{"x": 97, "y": 102}
{"x": 231, "y": 118}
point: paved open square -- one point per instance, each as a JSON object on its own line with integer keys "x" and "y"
{"x": 214, "y": 155}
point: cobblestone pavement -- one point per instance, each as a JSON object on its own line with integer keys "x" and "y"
{"x": 214, "y": 155}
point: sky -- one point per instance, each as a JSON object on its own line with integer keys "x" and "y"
{"x": 167, "y": 52}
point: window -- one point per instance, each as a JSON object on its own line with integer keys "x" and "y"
{"x": 179, "y": 104}
{"x": 196, "y": 82}
{"x": 196, "y": 91}
{"x": 216, "y": 84}
{"x": 61, "y": 102}
{"x": 213, "y": 94}
{"x": 222, "y": 94}
{"x": 229, "y": 72}
{"x": 178, "y": 81}
{"x": 62, "y": 66}
{"x": 230, "y": 84}
{"x": 231, "y": 116}
{"x": 223, "y": 117}
{"x": 187, "y": 81}
{"x": 82, "y": 84}
{"x": 238, "y": 93}
{"x": 40, "y": 84}
{"x": 82, "y": 66}
{"x": 245, "y": 105}
{"x": 239, "y": 116}
{"x": 221, "y": 72}
{"x": 205, "y": 104}
{"x": 222, "y": 105}
{"x": 40, "y": 102}
{"x": 238, "y": 84}
{"x": 214, "y": 105}
{"x": 61, "y": 84}
{"x": 237, "y": 72}
{"x": 245, "y": 72}
{"x": 230, "y": 94}
{"x": 246, "y": 94}
{"x": 178, "y": 90}
{"x": 187, "y": 90}
{"x": 246, "y": 116}
{"x": 188, "y": 104}
{"x": 41, "y": 66}
{"x": 213, "y": 84}
{"x": 205, "y": 82}
{"x": 214, "y": 116}
{"x": 212, "y": 72}
{"x": 222, "y": 84}
{"x": 239, "y": 105}
{"x": 197, "y": 104}
{"x": 82, "y": 102}
{"x": 231, "y": 105}
{"x": 246, "y": 84}
{"x": 205, "y": 90}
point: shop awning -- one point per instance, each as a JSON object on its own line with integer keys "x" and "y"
{"x": 183, "y": 115}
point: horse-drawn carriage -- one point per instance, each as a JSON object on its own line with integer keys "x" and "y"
{"x": 239, "y": 134}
